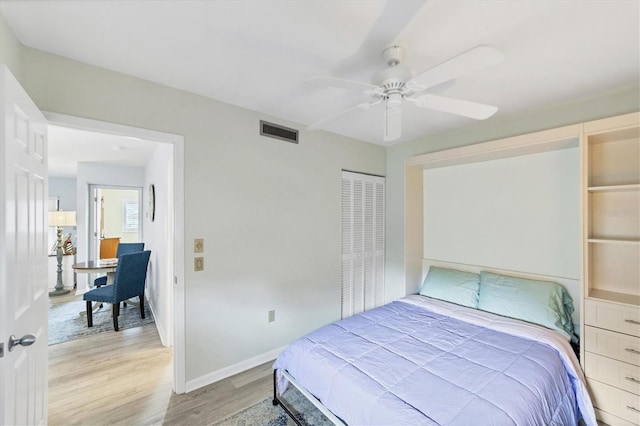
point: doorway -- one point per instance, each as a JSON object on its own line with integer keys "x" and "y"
{"x": 165, "y": 171}
{"x": 115, "y": 212}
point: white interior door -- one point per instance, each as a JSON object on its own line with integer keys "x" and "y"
{"x": 23, "y": 256}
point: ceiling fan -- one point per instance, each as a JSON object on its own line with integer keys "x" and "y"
{"x": 398, "y": 83}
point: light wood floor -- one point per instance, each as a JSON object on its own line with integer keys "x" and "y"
{"x": 125, "y": 378}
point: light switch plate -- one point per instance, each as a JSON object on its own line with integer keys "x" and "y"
{"x": 198, "y": 245}
{"x": 198, "y": 264}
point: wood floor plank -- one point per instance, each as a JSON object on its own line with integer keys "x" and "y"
{"x": 125, "y": 378}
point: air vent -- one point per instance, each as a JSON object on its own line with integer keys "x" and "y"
{"x": 279, "y": 132}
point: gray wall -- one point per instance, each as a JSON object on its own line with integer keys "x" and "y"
{"x": 10, "y": 49}
{"x": 269, "y": 211}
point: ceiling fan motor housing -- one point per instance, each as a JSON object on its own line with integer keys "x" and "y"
{"x": 393, "y": 78}
{"x": 393, "y": 55}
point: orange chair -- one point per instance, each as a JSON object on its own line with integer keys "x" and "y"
{"x": 109, "y": 247}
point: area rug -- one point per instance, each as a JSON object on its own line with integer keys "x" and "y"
{"x": 264, "y": 413}
{"x": 66, "y": 323}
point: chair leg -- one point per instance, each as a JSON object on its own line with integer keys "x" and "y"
{"x": 89, "y": 314}
{"x": 142, "y": 305}
{"x": 115, "y": 311}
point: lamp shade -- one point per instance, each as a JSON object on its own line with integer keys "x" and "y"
{"x": 60, "y": 218}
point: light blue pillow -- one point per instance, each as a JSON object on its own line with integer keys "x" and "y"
{"x": 540, "y": 302}
{"x": 452, "y": 286}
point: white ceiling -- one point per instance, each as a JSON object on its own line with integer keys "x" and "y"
{"x": 258, "y": 53}
{"x": 68, "y": 147}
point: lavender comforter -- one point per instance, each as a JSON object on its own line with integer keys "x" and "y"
{"x": 422, "y": 361}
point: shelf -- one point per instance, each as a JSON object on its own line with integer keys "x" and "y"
{"x": 612, "y": 188}
{"x": 614, "y": 214}
{"x": 613, "y": 241}
{"x": 614, "y": 159}
{"x": 612, "y": 296}
{"x": 613, "y": 268}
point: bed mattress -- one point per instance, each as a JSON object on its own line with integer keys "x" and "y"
{"x": 423, "y": 361}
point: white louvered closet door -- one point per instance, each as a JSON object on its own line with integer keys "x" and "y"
{"x": 363, "y": 209}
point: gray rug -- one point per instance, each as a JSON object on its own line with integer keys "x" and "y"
{"x": 264, "y": 413}
{"x": 66, "y": 323}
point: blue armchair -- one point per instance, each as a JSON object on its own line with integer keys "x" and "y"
{"x": 123, "y": 248}
{"x": 129, "y": 282}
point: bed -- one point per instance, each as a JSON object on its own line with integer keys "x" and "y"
{"x": 423, "y": 360}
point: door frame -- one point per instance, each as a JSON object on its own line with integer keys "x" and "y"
{"x": 92, "y": 230}
{"x": 178, "y": 332}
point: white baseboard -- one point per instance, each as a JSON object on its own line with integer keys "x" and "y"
{"x": 158, "y": 323}
{"x": 229, "y": 371}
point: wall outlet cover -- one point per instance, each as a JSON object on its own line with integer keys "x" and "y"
{"x": 198, "y": 264}
{"x": 198, "y": 245}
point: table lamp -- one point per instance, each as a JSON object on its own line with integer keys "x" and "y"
{"x": 60, "y": 219}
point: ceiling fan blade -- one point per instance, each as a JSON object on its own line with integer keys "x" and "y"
{"x": 472, "y": 60}
{"x": 392, "y": 122}
{"x": 341, "y": 83}
{"x": 365, "y": 105}
{"x": 455, "y": 106}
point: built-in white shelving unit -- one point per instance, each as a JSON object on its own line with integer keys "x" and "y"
{"x": 611, "y": 258}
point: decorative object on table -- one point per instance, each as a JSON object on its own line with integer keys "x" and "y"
{"x": 60, "y": 219}
{"x": 123, "y": 248}
{"x": 67, "y": 246}
{"x": 128, "y": 282}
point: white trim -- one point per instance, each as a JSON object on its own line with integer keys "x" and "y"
{"x": 164, "y": 339}
{"x": 532, "y": 143}
{"x": 231, "y": 370}
{"x": 178, "y": 295}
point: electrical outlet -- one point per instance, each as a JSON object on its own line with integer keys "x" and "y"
{"x": 198, "y": 245}
{"x": 272, "y": 316}
{"x": 198, "y": 264}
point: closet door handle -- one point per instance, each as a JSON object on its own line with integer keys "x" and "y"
{"x": 633, "y": 351}
{"x": 633, "y": 409}
{"x": 630, "y": 321}
{"x": 632, "y": 379}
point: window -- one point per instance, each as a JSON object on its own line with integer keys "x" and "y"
{"x": 131, "y": 217}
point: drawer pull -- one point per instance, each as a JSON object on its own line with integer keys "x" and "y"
{"x": 633, "y": 351}
{"x": 630, "y": 321}
{"x": 633, "y": 409}
{"x": 632, "y": 379}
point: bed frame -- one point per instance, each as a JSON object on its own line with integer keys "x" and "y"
{"x": 278, "y": 401}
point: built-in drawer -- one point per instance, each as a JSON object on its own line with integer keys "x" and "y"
{"x": 616, "y": 373}
{"x": 610, "y": 420}
{"x": 613, "y": 345}
{"x": 615, "y": 401}
{"x": 611, "y": 316}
